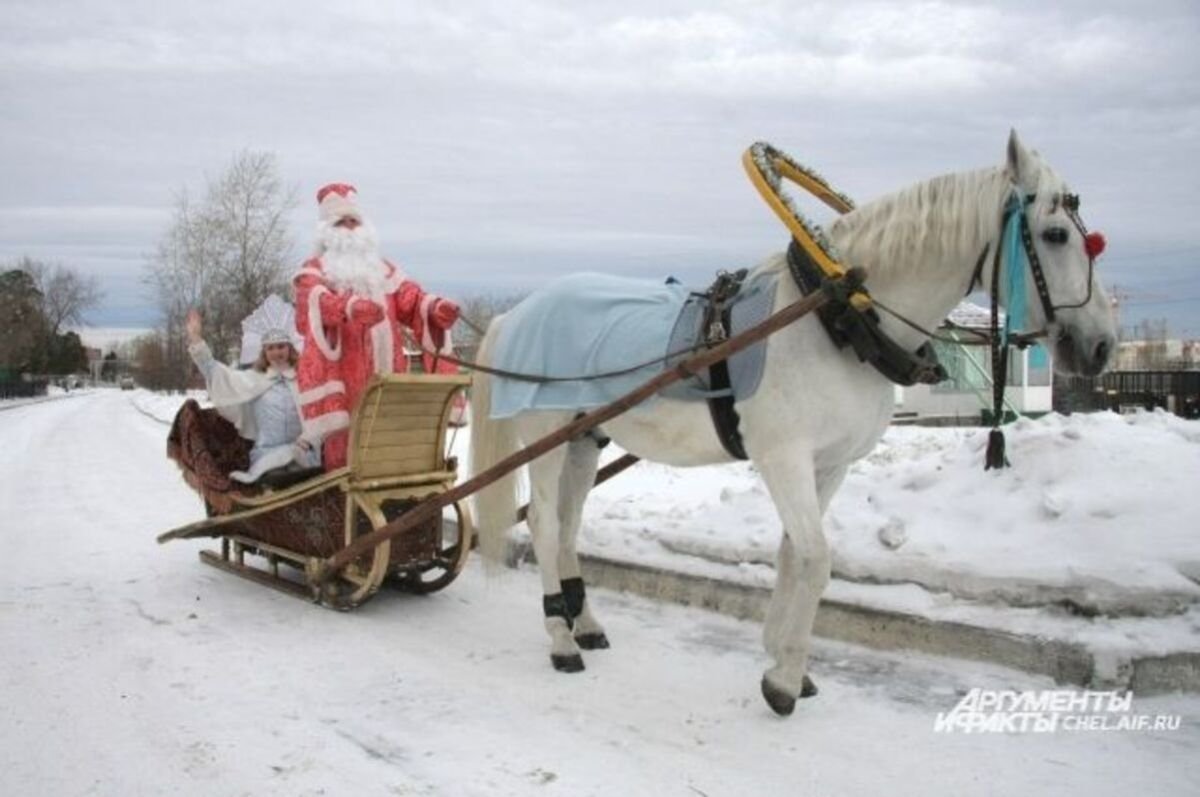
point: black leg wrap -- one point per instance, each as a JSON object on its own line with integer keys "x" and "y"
{"x": 555, "y": 606}
{"x": 572, "y": 593}
{"x": 574, "y": 596}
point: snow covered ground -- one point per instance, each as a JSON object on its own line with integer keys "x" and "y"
{"x": 1098, "y": 512}
{"x": 129, "y": 668}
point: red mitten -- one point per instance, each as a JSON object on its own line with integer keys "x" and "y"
{"x": 365, "y": 312}
{"x": 444, "y": 314}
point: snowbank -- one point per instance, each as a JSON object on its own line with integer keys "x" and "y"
{"x": 1095, "y": 515}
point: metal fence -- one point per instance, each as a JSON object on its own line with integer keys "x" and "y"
{"x": 20, "y": 388}
{"x": 1121, "y": 391}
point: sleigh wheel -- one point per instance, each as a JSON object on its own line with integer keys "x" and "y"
{"x": 451, "y": 556}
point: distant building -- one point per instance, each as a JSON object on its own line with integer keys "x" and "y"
{"x": 1163, "y": 354}
{"x": 966, "y": 396}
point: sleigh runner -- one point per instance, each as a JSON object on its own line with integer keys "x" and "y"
{"x": 277, "y": 536}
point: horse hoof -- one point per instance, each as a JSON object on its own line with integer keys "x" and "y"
{"x": 571, "y": 662}
{"x": 780, "y": 701}
{"x": 808, "y": 688}
{"x": 593, "y": 641}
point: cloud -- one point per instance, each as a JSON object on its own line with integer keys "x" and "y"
{"x": 531, "y": 137}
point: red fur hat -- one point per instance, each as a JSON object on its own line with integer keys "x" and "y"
{"x": 337, "y": 201}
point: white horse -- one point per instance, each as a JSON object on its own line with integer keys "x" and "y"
{"x": 818, "y": 408}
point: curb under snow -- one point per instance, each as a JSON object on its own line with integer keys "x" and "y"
{"x": 1066, "y": 662}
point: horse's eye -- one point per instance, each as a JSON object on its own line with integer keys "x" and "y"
{"x": 1055, "y": 235}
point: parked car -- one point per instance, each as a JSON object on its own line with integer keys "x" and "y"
{"x": 127, "y": 383}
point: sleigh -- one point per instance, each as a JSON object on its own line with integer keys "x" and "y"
{"x": 277, "y": 533}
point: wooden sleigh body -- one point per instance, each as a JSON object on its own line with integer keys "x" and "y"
{"x": 397, "y": 459}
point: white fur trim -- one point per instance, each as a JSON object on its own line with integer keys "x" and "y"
{"x": 273, "y": 458}
{"x": 309, "y": 271}
{"x": 426, "y": 305}
{"x": 395, "y": 276}
{"x": 335, "y": 206}
{"x": 427, "y": 341}
{"x": 320, "y": 392}
{"x": 383, "y": 346}
{"x": 329, "y": 422}
{"x": 317, "y": 328}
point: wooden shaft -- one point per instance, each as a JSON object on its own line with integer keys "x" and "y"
{"x": 432, "y": 507}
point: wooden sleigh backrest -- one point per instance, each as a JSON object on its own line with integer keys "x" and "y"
{"x": 399, "y": 426}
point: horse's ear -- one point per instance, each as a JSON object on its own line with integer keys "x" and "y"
{"x": 1021, "y": 166}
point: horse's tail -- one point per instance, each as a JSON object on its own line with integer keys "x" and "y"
{"x": 491, "y": 441}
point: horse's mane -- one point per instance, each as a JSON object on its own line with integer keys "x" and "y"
{"x": 931, "y": 222}
{"x": 936, "y": 218}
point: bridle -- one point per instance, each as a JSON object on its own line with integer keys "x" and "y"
{"x": 1014, "y": 227}
{"x": 1056, "y": 235}
{"x": 1015, "y": 223}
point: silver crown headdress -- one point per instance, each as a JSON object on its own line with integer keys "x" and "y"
{"x": 274, "y": 321}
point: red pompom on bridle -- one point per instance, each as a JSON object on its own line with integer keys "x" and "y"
{"x": 1093, "y": 244}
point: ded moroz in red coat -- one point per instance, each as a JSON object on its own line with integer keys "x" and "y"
{"x": 345, "y": 346}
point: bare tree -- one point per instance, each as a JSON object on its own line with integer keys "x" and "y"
{"x": 149, "y": 362}
{"x": 477, "y": 312}
{"x": 66, "y": 295}
{"x": 247, "y": 207}
{"x": 222, "y": 256}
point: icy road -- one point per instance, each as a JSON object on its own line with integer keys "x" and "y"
{"x": 127, "y": 668}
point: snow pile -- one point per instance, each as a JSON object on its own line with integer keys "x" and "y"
{"x": 162, "y": 407}
{"x": 1093, "y": 515}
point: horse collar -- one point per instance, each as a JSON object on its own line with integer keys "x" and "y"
{"x": 849, "y": 326}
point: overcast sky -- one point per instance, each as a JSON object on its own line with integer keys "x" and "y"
{"x": 497, "y": 144}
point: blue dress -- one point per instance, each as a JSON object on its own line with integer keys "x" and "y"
{"x": 268, "y": 415}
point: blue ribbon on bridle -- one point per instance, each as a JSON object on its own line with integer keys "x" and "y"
{"x": 1012, "y": 262}
{"x": 1015, "y": 265}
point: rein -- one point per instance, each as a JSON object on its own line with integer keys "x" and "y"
{"x": 850, "y": 316}
{"x": 542, "y": 379}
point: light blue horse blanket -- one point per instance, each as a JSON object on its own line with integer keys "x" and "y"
{"x": 587, "y": 324}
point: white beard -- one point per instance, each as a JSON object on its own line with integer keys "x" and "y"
{"x": 351, "y": 259}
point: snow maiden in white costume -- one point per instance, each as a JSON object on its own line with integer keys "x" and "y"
{"x": 260, "y": 401}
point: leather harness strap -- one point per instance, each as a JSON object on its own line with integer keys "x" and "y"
{"x": 715, "y": 329}
{"x": 724, "y": 416}
{"x": 847, "y": 326}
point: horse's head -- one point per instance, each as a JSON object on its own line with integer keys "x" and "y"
{"x": 1063, "y": 296}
